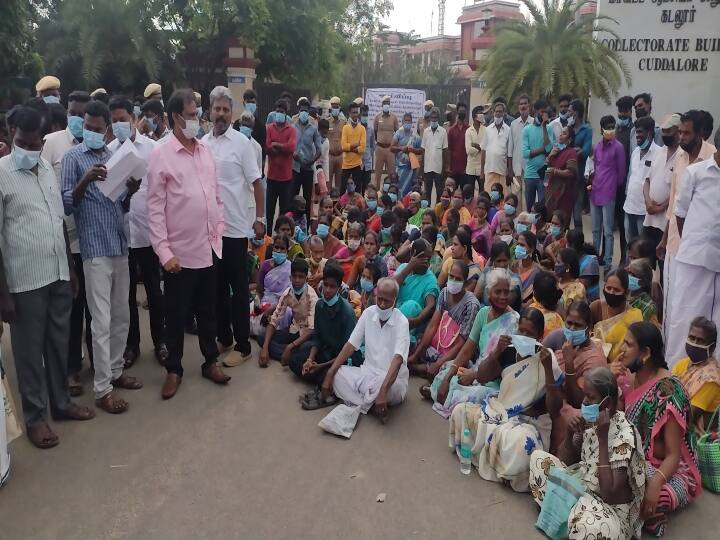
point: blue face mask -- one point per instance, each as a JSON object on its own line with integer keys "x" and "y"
{"x": 494, "y": 196}
{"x": 407, "y": 126}
{"x": 509, "y": 209}
{"x": 575, "y": 337}
{"x": 251, "y": 108}
{"x": 323, "y": 230}
{"x": 393, "y": 197}
{"x": 93, "y": 140}
{"x": 520, "y": 252}
{"x": 562, "y": 146}
{"x": 555, "y": 231}
{"x": 121, "y": 130}
{"x": 380, "y": 210}
{"x": 634, "y": 283}
{"x": 300, "y": 235}
{"x": 280, "y": 118}
{"x": 257, "y": 241}
{"x": 364, "y": 120}
{"x": 25, "y": 159}
{"x": 279, "y": 258}
{"x": 51, "y": 99}
{"x": 646, "y": 144}
{"x": 385, "y": 231}
{"x": 623, "y": 122}
{"x": 366, "y": 285}
{"x": 152, "y": 124}
{"x": 335, "y": 112}
{"x": 304, "y": 117}
{"x": 533, "y": 218}
{"x": 524, "y": 345}
{"x": 591, "y": 412}
{"x": 424, "y": 204}
{"x": 333, "y": 300}
{"x": 299, "y": 291}
{"x": 386, "y": 187}
{"x": 521, "y": 228}
{"x": 137, "y": 111}
{"x": 434, "y": 124}
{"x": 386, "y": 108}
{"x": 246, "y": 131}
{"x": 371, "y": 204}
{"x": 75, "y": 125}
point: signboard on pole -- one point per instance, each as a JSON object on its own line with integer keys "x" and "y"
{"x": 402, "y": 100}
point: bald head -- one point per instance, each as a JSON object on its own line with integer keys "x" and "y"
{"x": 387, "y": 292}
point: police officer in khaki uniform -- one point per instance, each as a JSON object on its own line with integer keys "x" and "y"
{"x": 385, "y": 125}
{"x": 48, "y": 88}
{"x": 334, "y": 134}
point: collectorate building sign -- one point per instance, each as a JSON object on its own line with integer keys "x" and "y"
{"x": 672, "y": 50}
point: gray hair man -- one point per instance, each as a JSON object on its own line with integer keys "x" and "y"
{"x": 382, "y": 380}
{"x": 242, "y": 196}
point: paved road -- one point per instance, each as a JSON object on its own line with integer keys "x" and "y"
{"x": 244, "y": 461}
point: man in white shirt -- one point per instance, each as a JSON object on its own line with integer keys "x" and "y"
{"x": 474, "y": 137}
{"x": 244, "y": 203}
{"x": 640, "y": 163}
{"x": 516, "y": 130}
{"x": 140, "y": 252}
{"x": 695, "y": 285}
{"x": 496, "y": 155}
{"x": 656, "y": 189}
{"x": 435, "y": 144}
{"x": 557, "y": 125}
{"x": 382, "y": 380}
{"x": 56, "y": 144}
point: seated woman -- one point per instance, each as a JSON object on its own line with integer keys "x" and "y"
{"x": 390, "y": 249}
{"x": 443, "y": 204}
{"x": 260, "y": 242}
{"x": 506, "y": 426}
{"x": 393, "y": 193}
{"x": 567, "y": 270}
{"x": 369, "y": 278}
{"x": 497, "y": 198}
{"x": 613, "y": 316}
{"x": 541, "y": 226}
{"x": 555, "y": 240}
{"x": 546, "y": 296}
{"x": 351, "y": 197}
{"x": 273, "y": 278}
{"x": 659, "y": 407}
{"x": 506, "y": 233}
{"x": 418, "y": 288}
{"x": 331, "y": 243}
{"x": 561, "y": 175}
{"x": 461, "y": 251}
{"x": 346, "y": 255}
{"x": 316, "y": 260}
{"x": 699, "y": 372}
{"x": 640, "y": 278}
{"x": 285, "y": 225}
{"x": 508, "y": 210}
{"x": 456, "y": 202}
{"x": 497, "y": 319}
{"x": 371, "y": 217}
{"x": 604, "y": 448}
{"x": 499, "y": 258}
{"x": 481, "y": 233}
{"x": 449, "y": 327}
{"x": 589, "y": 266}
{"x": 527, "y": 263}
{"x": 371, "y": 246}
{"x": 297, "y": 303}
{"x": 576, "y": 354}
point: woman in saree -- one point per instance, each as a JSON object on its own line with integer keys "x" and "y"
{"x": 273, "y": 278}
{"x": 499, "y": 258}
{"x": 613, "y": 316}
{"x": 567, "y": 270}
{"x": 699, "y": 372}
{"x": 481, "y": 234}
{"x": 497, "y": 319}
{"x": 527, "y": 263}
{"x": 555, "y": 239}
{"x": 371, "y": 247}
{"x": 449, "y": 327}
{"x": 659, "y": 407}
{"x": 346, "y": 255}
{"x": 418, "y": 288}
{"x": 604, "y": 449}
{"x": 546, "y": 296}
{"x": 640, "y": 279}
{"x": 506, "y": 426}
{"x": 561, "y": 175}
{"x": 462, "y": 251}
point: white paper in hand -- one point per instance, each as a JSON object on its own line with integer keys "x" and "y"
{"x": 123, "y": 164}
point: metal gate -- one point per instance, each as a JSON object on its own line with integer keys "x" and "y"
{"x": 269, "y": 93}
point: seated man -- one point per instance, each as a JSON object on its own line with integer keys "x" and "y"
{"x": 291, "y": 323}
{"x": 334, "y": 322}
{"x": 382, "y": 380}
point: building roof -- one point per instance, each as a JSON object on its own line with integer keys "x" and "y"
{"x": 501, "y": 9}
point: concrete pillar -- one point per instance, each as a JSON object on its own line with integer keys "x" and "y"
{"x": 240, "y": 68}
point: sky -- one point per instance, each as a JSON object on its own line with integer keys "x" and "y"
{"x": 419, "y": 14}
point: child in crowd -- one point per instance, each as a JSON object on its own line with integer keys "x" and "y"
{"x": 354, "y": 249}
{"x": 371, "y": 274}
{"x": 509, "y": 209}
{"x": 497, "y": 199}
{"x": 260, "y": 242}
{"x": 285, "y": 225}
{"x": 316, "y": 261}
{"x": 330, "y": 242}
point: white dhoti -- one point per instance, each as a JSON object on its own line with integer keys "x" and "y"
{"x": 694, "y": 291}
{"x": 359, "y": 386}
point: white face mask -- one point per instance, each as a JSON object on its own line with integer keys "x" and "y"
{"x": 454, "y": 286}
{"x": 385, "y": 314}
{"x": 507, "y": 238}
{"x": 353, "y": 244}
{"x": 191, "y": 129}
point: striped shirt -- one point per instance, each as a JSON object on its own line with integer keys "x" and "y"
{"x": 100, "y": 221}
{"x": 31, "y": 227}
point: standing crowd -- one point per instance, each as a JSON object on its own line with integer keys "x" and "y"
{"x": 317, "y": 233}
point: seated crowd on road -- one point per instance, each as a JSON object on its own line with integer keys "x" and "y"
{"x": 361, "y": 251}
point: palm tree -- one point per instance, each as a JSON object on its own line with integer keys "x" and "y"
{"x": 554, "y": 52}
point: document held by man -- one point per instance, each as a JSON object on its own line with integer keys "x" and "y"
{"x": 125, "y": 163}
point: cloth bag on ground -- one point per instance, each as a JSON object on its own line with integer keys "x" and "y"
{"x": 341, "y": 420}
{"x": 562, "y": 492}
{"x": 708, "y": 457}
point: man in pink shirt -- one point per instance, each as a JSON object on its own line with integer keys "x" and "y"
{"x": 280, "y": 141}
{"x": 185, "y": 215}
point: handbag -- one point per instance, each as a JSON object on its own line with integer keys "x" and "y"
{"x": 564, "y": 488}
{"x": 448, "y": 330}
{"x": 707, "y": 451}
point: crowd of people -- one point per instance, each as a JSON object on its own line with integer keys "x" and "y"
{"x": 550, "y": 356}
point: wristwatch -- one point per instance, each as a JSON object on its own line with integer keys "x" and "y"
{"x": 261, "y": 220}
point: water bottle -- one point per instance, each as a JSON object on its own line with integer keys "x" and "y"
{"x": 465, "y": 452}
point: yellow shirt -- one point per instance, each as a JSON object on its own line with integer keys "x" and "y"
{"x": 352, "y": 135}
{"x": 707, "y": 396}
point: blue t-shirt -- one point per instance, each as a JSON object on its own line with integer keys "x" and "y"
{"x": 532, "y": 139}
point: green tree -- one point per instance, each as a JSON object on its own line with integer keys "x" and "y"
{"x": 554, "y": 52}
{"x": 17, "y": 55}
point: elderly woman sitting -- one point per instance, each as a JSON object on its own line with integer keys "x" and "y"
{"x": 604, "y": 449}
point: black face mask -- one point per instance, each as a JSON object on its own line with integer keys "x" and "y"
{"x": 668, "y": 140}
{"x": 614, "y": 300}
{"x": 462, "y": 115}
{"x": 641, "y": 113}
{"x": 697, "y": 353}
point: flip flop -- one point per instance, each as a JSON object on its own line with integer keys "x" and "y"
{"x": 307, "y": 395}
{"x": 318, "y": 402}
{"x": 42, "y": 436}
